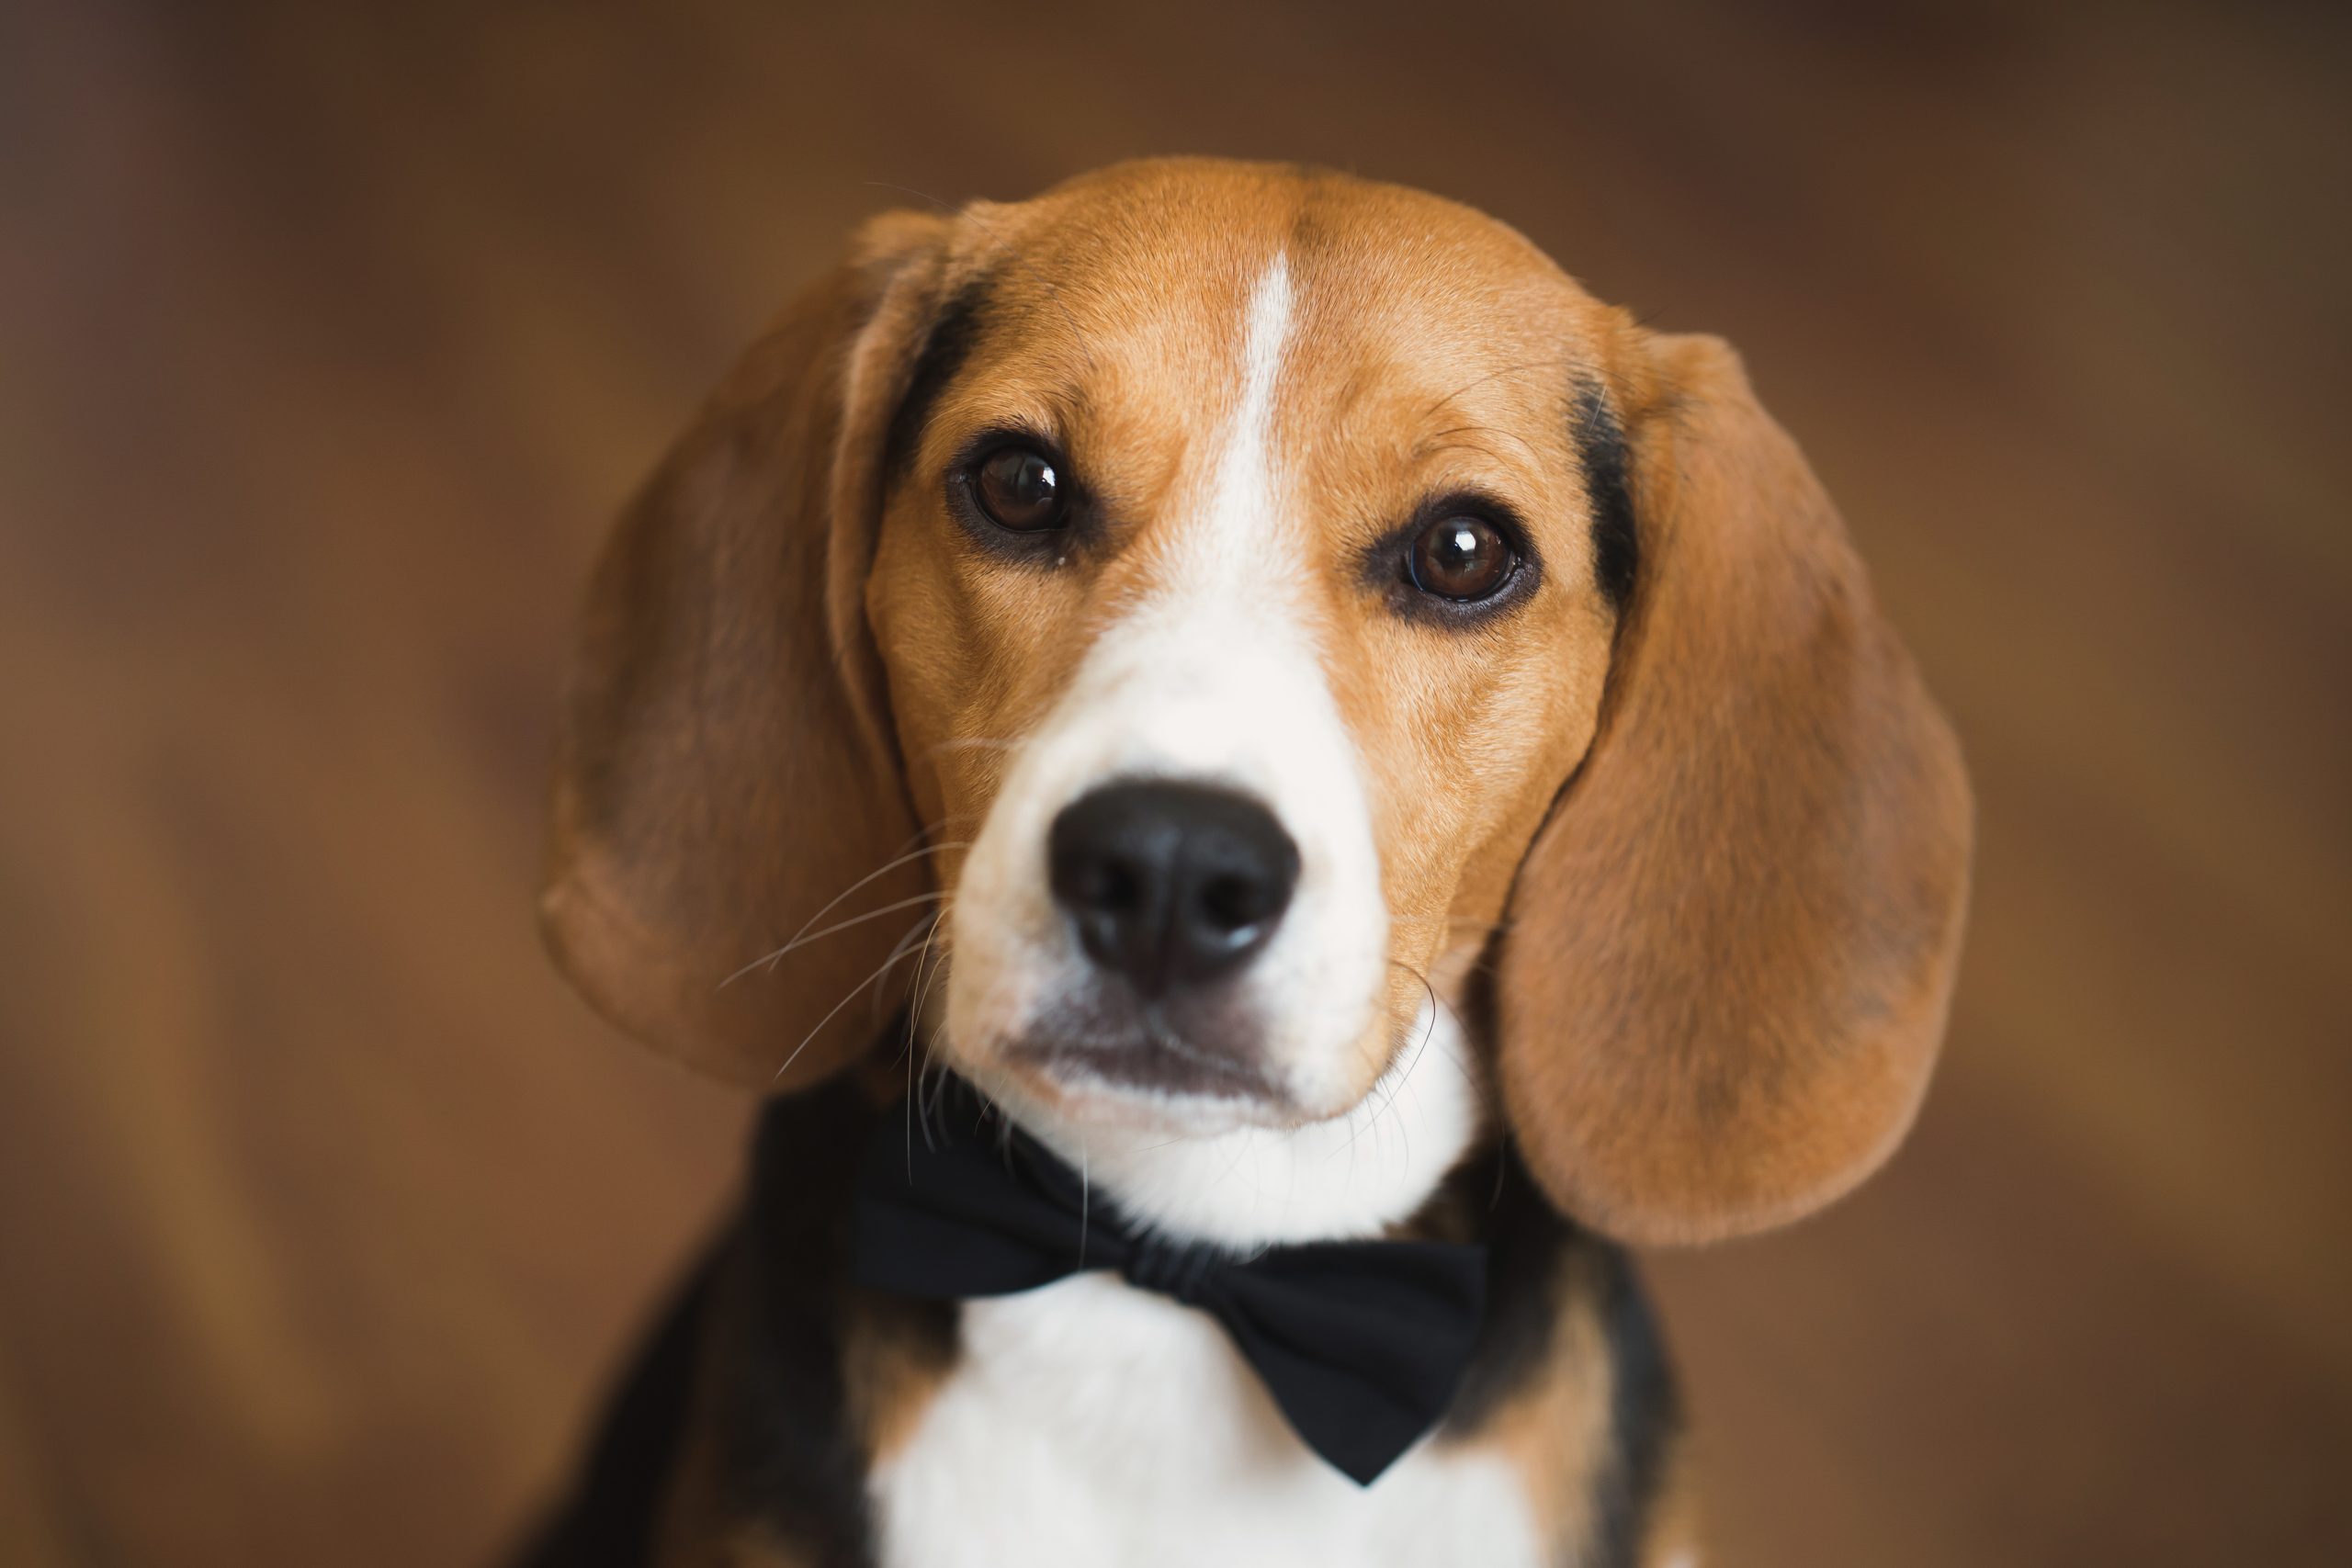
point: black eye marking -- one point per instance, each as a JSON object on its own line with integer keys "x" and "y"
{"x": 1600, "y": 452}
{"x": 946, "y": 348}
{"x": 1019, "y": 488}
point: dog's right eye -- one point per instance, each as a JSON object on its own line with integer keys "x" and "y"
{"x": 1019, "y": 489}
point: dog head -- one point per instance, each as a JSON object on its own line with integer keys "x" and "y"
{"x": 1209, "y": 613}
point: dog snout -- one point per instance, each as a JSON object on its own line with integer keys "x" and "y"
{"x": 1171, "y": 885}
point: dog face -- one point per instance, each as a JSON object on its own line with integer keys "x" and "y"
{"x": 1236, "y": 599}
{"x": 1250, "y": 702}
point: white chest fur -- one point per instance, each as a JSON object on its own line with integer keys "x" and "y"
{"x": 1091, "y": 1423}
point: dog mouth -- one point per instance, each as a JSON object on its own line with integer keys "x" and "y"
{"x": 1149, "y": 1065}
{"x": 1131, "y": 1050}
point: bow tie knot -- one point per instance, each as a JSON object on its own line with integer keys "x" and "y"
{"x": 1170, "y": 1269}
{"x": 1360, "y": 1344}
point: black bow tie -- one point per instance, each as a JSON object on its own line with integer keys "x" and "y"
{"x": 1360, "y": 1344}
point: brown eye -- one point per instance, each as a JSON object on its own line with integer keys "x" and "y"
{"x": 1018, "y": 488}
{"x": 1460, "y": 557}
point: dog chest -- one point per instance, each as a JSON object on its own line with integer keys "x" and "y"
{"x": 1091, "y": 1423}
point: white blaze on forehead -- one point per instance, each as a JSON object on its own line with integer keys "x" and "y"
{"x": 1222, "y": 646}
{"x": 1244, "y": 494}
{"x": 1214, "y": 677}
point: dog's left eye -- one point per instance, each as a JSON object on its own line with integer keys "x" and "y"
{"x": 1020, "y": 489}
{"x": 1460, "y": 559}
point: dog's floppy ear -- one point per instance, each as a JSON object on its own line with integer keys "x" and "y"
{"x": 1731, "y": 948}
{"x": 725, "y": 764}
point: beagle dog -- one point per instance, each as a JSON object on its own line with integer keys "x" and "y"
{"x": 1246, "y": 693}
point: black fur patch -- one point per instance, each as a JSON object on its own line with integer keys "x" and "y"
{"x": 1644, "y": 1411}
{"x": 1535, "y": 1257}
{"x": 1528, "y": 1243}
{"x": 789, "y": 1458}
{"x": 946, "y": 348}
{"x": 609, "y": 1518}
{"x": 764, "y": 1313}
{"x": 1601, "y": 450}
{"x": 768, "y": 1310}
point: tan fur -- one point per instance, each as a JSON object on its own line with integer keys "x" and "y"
{"x": 1732, "y": 949}
{"x": 723, "y": 766}
{"x": 890, "y": 1373}
{"x": 753, "y": 1546}
{"x": 1403, "y": 381}
{"x": 1555, "y": 1430}
{"x": 1676, "y": 1537}
{"x": 1717, "y": 845}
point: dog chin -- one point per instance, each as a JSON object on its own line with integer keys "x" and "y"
{"x": 1077, "y": 1097}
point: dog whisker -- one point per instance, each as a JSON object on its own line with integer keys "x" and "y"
{"x": 1412, "y": 1060}
{"x": 880, "y": 970}
{"x": 1492, "y": 375}
{"x": 773, "y": 959}
{"x": 916, "y": 841}
{"x": 899, "y": 951}
{"x": 917, "y": 1070}
{"x": 883, "y": 870}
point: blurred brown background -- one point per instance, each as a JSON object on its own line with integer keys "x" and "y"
{"x": 330, "y": 336}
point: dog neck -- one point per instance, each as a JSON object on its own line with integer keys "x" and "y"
{"x": 1354, "y": 1177}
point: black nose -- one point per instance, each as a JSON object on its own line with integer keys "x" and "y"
{"x": 1171, "y": 883}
